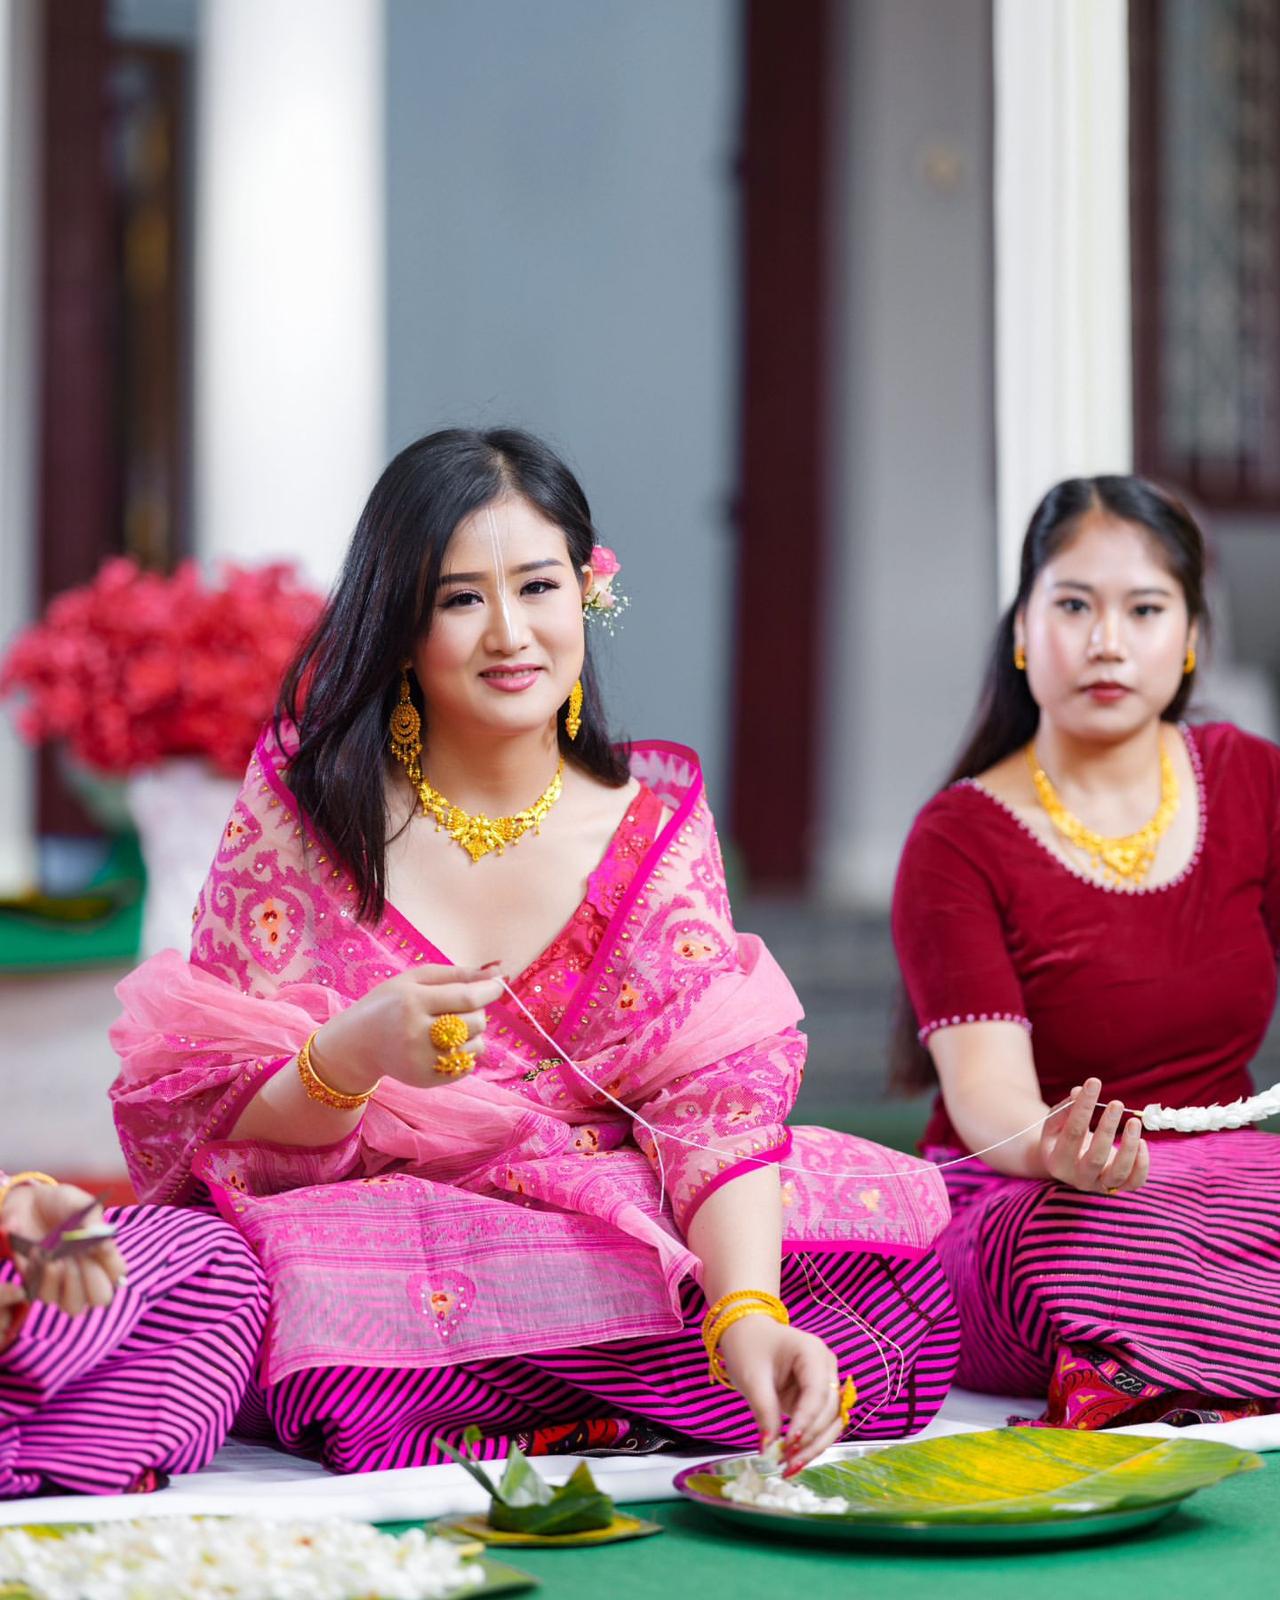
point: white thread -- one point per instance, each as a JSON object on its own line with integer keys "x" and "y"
{"x": 762, "y": 1161}
{"x": 891, "y": 1389}
{"x": 1183, "y": 1119}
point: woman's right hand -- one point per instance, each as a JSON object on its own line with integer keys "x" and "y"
{"x": 1094, "y": 1162}
{"x": 76, "y": 1283}
{"x": 387, "y": 1032}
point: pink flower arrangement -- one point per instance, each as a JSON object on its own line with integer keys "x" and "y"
{"x": 600, "y": 598}
{"x": 134, "y": 667}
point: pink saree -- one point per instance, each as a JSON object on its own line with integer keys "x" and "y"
{"x": 516, "y": 1211}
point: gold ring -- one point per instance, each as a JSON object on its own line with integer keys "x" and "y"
{"x": 848, "y": 1399}
{"x": 455, "y": 1063}
{"x": 447, "y": 1032}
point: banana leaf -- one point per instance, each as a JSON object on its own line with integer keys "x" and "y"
{"x": 524, "y": 1502}
{"x": 621, "y": 1526}
{"x": 575, "y": 1506}
{"x": 1013, "y": 1476}
{"x": 521, "y": 1486}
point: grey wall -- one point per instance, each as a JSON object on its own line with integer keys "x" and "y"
{"x": 560, "y": 254}
{"x": 1245, "y": 556}
{"x": 155, "y": 21}
{"x": 912, "y": 602}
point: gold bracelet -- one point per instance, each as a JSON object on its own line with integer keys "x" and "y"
{"x": 726, "y": 1319}
{"x": 738, "y": 1294}
{"x": 756, "y": 1304}
{"x": 23, "y": 1177}
{"x": 318, "y": 1089}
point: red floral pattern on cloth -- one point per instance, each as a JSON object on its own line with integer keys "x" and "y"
{"x": 1090, "y": 1388}
{"x": 547, "y": 984}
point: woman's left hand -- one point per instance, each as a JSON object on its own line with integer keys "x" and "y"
{"x": 783, "y": 1371}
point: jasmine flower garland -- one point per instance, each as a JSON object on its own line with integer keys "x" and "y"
{"x": 235, "y": 1559}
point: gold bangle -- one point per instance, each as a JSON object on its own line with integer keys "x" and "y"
{"x": 762, "y": 1295}
{"x": 24, "y": 1177}
{"x": 726, "y": 1319}
{"x": 318, "y": 1089}
{"x": 717, "y": 1371}
{"x": 714, "y": 1327}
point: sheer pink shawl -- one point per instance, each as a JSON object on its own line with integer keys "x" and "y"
{"x": 516, "y": 1210}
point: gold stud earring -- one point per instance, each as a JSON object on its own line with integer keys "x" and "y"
{"x": 1189, "y": 665}
{"x": 406, "y": 729}
{"x": 1019, "y": 658}
{"x": 573, "y": 717}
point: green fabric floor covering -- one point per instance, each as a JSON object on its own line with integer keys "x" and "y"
{"x": 1224, "y": 1543}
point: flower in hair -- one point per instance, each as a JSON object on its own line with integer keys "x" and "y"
{"x": 600, "y": 602}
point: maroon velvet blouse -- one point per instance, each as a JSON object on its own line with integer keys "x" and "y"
{"x": 1163, "y": 993}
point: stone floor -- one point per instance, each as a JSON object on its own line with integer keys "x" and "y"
{"x": 59, "y": 1062}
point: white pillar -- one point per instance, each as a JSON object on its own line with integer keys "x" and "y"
{"x": 289, "y": 382}
{"x": 19, "y": 32}
{"x": 1063, "y": 366}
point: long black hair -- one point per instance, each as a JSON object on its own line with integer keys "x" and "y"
{"x": 1007, "y": 715}
{"x": 341, "y": 687}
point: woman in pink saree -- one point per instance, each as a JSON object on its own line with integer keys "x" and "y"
{"x": 529, "y": 1246}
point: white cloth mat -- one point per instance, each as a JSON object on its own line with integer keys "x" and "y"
{"x": 255, "y": 1480}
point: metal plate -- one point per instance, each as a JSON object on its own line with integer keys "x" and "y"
{"x": 844, "y": 1530}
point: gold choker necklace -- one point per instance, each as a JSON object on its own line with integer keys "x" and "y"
{"x": 479, "y": 834}
{"x": 1125, "y": 860}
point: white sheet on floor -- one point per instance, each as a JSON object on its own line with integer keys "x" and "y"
{"x": 256, "y": 1480}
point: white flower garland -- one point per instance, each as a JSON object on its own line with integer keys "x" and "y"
{"x": 1209, "y": 1119}
{"x": 235, "y": 1559}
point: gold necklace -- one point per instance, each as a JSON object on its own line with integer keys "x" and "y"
{"x": 479, "y": 834}
{"x": 1123, "y": 860}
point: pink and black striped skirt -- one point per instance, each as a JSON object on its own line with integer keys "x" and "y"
{"x": 889, "y": 1321}
{"x": 103, "y": 1403}
{"x": 1135, "y": 1307}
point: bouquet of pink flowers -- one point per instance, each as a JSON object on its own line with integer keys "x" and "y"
{"x": 134, "y": 666}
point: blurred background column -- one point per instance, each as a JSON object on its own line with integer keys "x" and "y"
{"x": 18, "y": 218}
{"x": 289, "y": 400}
{"x": 911, "y": 589}
{"x": 1063, "y": 364}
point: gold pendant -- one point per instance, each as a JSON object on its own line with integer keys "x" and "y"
{"x": 1126, "y": 859}
{"x": 479, "y": 835}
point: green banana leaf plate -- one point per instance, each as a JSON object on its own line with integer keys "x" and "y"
{"x": 1006, "y": 1486}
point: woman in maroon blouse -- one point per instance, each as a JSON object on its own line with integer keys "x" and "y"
{"x": 1093, "y": 906}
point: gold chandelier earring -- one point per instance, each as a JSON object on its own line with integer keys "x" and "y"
{"x": 573, "y": 716}
{"x": 1189, "y": 665}
{"x": 406, "y": 729}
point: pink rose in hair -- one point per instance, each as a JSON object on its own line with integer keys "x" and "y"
{"x": 604, "y": 563}
{"x": 602, "y": 569}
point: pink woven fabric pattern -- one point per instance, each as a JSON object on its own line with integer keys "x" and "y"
{"x": 515, "y": 1211}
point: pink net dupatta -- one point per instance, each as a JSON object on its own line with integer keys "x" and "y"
{"x": 517, "y": 1210}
